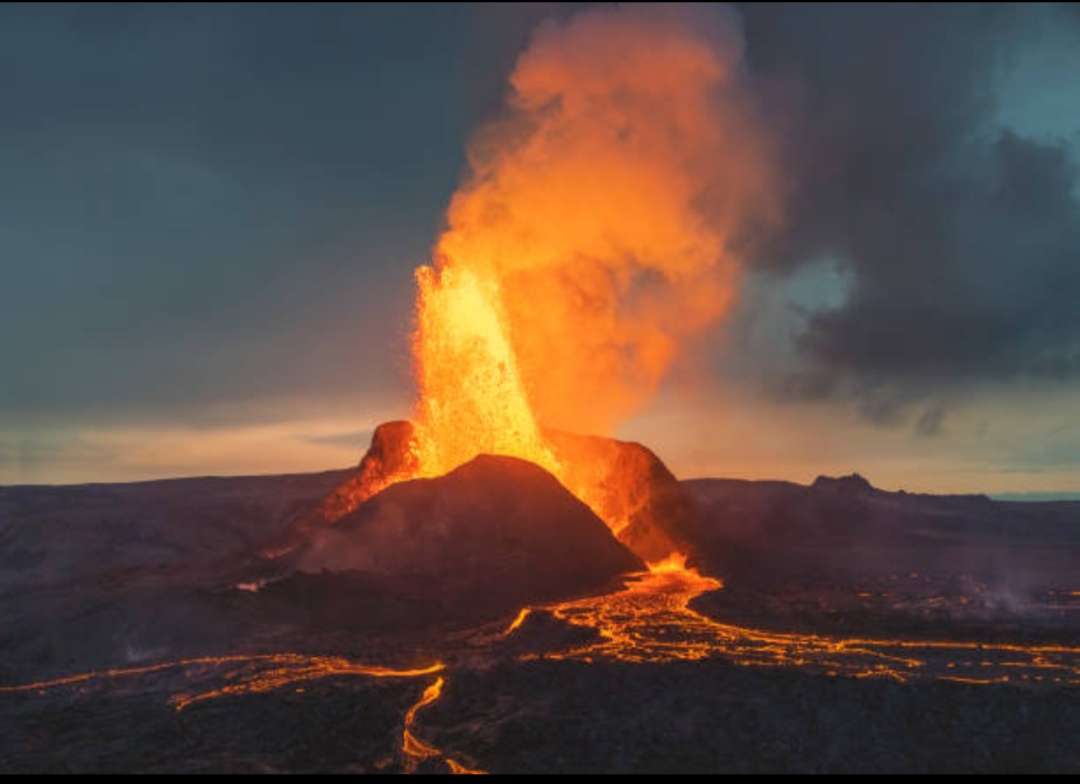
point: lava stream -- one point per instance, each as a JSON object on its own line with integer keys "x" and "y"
{"x": 417, "y": 750}
{"x": 260, "y": 673}
{"x": 650, "y": 621}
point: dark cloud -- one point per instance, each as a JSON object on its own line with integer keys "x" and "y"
{"x": 931, "y": 421}
{"x": 209, "y": 212}
{"x": 962, "y": 238}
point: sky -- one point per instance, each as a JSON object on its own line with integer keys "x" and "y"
{"x": 212, "y": 214}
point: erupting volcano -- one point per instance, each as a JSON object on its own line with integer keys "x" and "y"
{"x": 596, "y": 233}
{"x": 501, "y": 584}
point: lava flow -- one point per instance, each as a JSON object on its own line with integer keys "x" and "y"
{"x": 262, "y": 673}
{"x": 598, "y": 232}
{"x": 593, "y": 237}
{"x": 417, "y": 750}
{"x": 651, "y": 621}
{"x": 253, "y": 673}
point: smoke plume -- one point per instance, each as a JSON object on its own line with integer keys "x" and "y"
{"x": 599, "y": 225}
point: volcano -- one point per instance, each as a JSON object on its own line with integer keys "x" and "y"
{"x": 490, "y": 617}
{"x": 446, "y": 542}
{"x": 497, "y": 531}
{"x": 630, "y": 488}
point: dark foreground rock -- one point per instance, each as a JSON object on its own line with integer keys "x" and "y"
{"x": 712, "y": 717}
{"x": 559, "y": 717}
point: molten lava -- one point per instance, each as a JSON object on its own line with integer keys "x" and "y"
{"x": 248, "y": 673}
{"x": 471, "y": 396}
{"x": 417, "y": 750}
{"x": 262, "y": 673}
{"x": 651, "y": 621}
{"x": 598, "y": 232}
{"x": 648, "y": 622}
{"x": 593, "y": 237}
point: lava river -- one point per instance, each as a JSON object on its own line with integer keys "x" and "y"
{"x": 649, "y": 621}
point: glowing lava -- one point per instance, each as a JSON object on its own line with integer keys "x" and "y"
{"x": 261, "y": 673}
{"x": 594, "y": 235}
{"x": 415, "y": 749}
{"x": 253, "y": 673}
{"x": 650, "y": 621}
{"x": 471, "y": 397}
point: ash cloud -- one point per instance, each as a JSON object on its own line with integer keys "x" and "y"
{"x": 961, "y": 237}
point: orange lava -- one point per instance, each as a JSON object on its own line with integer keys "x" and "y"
{"x": 516, "y": 623}
{"x": 415, "y": 749}
{"x": 253, "y": 674}
{"x": 260, "y": 673}
{"x": 593, "y": 237}
{"x": 650, "y": 621}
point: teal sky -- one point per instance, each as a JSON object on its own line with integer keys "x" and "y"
{"x": 211, "y": 216}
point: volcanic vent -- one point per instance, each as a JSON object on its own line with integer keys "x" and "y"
{"x": 497, "y": 531}
{"x": 599, "y": 230}
{"x": 625, "y": 485}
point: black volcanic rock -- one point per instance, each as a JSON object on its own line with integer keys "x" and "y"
{"x": 843, "y": 557}
{"x": 496, "y": 533}
{"x": 852, "y": 483}
{"x": 59, "y": 533}
{"x": 845, "y": 526}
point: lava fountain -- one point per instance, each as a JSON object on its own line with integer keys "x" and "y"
{"x": 597, "y": 233}
{"x": 593, "y": 237}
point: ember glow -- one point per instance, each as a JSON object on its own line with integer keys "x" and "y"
{"x": 592, "y": 239}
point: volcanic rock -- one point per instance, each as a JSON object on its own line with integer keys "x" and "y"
{"x": 498, "y": 532}
{"x": 844, "y": 525}
{"x": 851, "y": 484}
{"x": 388, "y": 458}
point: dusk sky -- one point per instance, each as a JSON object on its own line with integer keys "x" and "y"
{"x": 212, "y": 216}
